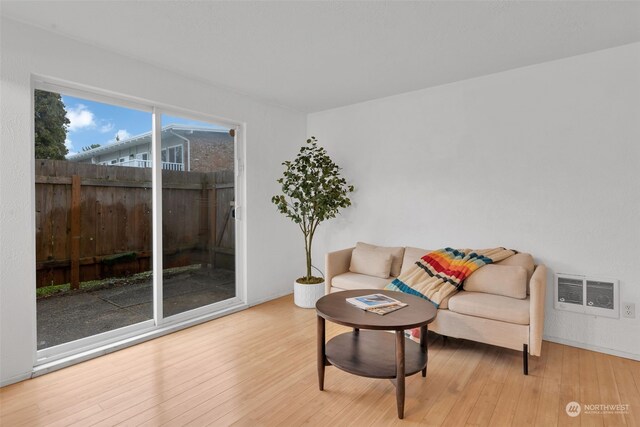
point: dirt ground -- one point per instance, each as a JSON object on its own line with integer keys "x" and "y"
{"x": 68, "y": 317}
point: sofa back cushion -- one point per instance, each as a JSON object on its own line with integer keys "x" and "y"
{"x": 395, "y": 252}
{"x": 370, "y": 262}
{"x": 505, "y": 280}
{"x": 411, "y": 255}
{"x": 523, "y": 260}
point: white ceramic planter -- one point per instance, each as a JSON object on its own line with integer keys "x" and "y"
{"x": 306, "y": 296}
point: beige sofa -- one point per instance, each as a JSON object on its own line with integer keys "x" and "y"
{"x": 503, "y": 303}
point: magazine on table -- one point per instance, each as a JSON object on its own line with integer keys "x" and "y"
{"x": 386, "y": 309}
{"x": 376, "y": 303}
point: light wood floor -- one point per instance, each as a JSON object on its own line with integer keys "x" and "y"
{"x": 258, "y": 367}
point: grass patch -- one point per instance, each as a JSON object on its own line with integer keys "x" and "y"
{"x": 112, "y": 282}
{"x": 47, "y": 291}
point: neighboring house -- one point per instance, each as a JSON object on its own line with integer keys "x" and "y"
{"x": 183, "y": 149}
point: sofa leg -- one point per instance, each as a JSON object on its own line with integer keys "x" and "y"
{"x": 444, "y": 339}
{"x": 525, "y": 359}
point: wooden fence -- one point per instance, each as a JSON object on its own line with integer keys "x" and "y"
{"x": 94, "y": 221}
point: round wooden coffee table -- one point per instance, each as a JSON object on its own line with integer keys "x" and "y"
{"x": 374, "y": 353}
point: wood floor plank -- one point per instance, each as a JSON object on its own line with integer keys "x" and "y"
{"x": 205, "y": 407}
{"x": 589, "y": 389}
{"x": 627, "y": 389}
{"x": 447, "y": 400}
{"x": 258, "y": 368}
{"x": 483, "y": 410}
{"x": 548, "y": 405}
{"x": 608, "y": 388}
{"x": 108, "y": 398}
{"x": 468, "y": 396}
{"x": 341, "y": 397}
{"x": 525, "y": 414}
{"x": 569, "y": 385}
{"x": 422, "y": 397}
{"x": 507, "y": 404}
{"x": 172, "y": 405}
{"x": 178, "y": 373}
{"x": 634, "y": 369}
{"x": 137, "y": 366}
{"x": 382, "y": 406}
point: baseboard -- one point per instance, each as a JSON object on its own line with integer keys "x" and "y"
{"x": 15, "y": 379}
{"x": 592, "y": 347}
{"x": 271, "y": 297}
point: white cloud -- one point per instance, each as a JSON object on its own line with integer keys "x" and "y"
{"x": 81, "y": 118}
{"x": 121, "y": 135}
{"x": 106, "y": 127}
{"x": 69, "y": 144}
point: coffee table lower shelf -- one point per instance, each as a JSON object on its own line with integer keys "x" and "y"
{"x": 377, "y": 346}
{"x": 373, "y": 354}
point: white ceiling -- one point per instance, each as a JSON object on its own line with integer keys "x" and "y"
{"x": 313, "y": 56}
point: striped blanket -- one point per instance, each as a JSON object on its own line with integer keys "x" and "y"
{"x": 441, "y": 273}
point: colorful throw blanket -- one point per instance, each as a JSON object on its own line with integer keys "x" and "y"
{"x": 440, "y": 273}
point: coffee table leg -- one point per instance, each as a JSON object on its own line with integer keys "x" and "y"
{"x": 424, "y": 345}
{"x": 321, "y": 352}
{"x": 400, "y": 373}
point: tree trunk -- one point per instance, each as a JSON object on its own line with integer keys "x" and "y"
{"x": 308, "y": 250}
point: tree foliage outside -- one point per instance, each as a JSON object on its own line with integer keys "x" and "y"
{"x": 312, "y": 191}
{"x": 50, "y": 126}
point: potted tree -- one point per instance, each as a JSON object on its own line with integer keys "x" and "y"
{"x": 312, "y": 192}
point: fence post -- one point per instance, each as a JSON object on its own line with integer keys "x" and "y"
{"x": 204, "y": 223}
{"x": 75, "y": 231}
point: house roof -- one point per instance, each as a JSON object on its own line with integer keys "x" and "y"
{"x": 143, "y": 138}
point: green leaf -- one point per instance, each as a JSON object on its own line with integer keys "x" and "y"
{"x": 312, "y": 191}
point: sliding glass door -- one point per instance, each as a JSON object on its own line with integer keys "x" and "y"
{"x": 93, "y": 218}
{"x": 198, "y": 221}
{"x": 109, "y": 266}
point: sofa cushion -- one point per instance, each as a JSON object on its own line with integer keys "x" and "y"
{"x": 506, "y": 280}
{"x": 411, "y": 255}
{"x": 496, "y": 307}
{"x": 395, "y": 252}
{"x": 350, "y": 281}
{"x": 522, "y": 260}
{"x": 371, "y": 263}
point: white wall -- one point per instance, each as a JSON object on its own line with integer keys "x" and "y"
{"x": 544, "y": 159}
{"x": 273, "y": 133}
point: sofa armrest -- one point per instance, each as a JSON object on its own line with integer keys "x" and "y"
{"x": 537, "y": 289}
{"x": 335, "y": 263}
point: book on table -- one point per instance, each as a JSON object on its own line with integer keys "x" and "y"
{"x": 376, "y": 303}
{"x": 386, "y": 309}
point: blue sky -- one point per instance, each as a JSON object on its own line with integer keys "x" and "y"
{"x": 97, "y": 123}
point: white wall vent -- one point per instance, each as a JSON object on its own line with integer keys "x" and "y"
{"x": 588, "y": 295}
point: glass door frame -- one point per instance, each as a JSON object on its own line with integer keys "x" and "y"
{"x": 68, "y": 353}
{"x": 240, "y": 284}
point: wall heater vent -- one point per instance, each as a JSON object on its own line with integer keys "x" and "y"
{"x": 588, "y": 295}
